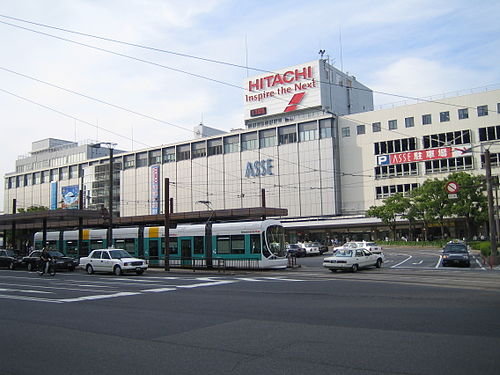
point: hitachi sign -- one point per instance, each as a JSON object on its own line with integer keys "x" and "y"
{"x": 280, "y": 79}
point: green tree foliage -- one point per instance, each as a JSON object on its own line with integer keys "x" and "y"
{"x": 33, "y": 209}
{"x": 472, "y": 203}
{"x": 392, "y": 208}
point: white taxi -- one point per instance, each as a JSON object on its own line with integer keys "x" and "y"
{"x": 112, "y": 260}
{"x": 352, "y": 259}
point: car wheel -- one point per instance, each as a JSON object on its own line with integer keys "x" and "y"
{"x": 117, "y": 270}
{"x": 354, "y": 268}
{"x": 379, "y": 263}
{"x": 11, "y": 266}
{"x": 30, "y": 267}
{"x": 139, "y": 272}
{"x": 90, "y": 269}
{"x": 333, "y": 270}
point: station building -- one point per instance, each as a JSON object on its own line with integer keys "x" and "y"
{"x": 311, "y": 140}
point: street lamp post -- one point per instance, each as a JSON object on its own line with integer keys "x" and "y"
{"x": 208, "y": 234}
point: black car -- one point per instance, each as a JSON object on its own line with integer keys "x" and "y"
{"x": 10, "y": 258}
{"x": 62, "y": 262}
{"x": 295, "y": 250}
{"x": 456, "y": 254}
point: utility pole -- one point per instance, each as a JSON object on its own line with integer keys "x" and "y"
{"x": 167, "y": 224}
{"x": 491, "y": 216}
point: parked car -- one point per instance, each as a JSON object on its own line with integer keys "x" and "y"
{"x": 323, "y": 248}
{"x": 62, "y": 262}
{"x": 296, "y": 250}
{"x": 352, "y": 259}
{"x": 312, "y": 248}
{"x": 456, "y": 253}
{"x": 370, "y": 246}
{"x": 11, "y": 259}
{"x": 112, "y": 260}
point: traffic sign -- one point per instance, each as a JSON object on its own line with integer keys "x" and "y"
{"x": 452, "y": 187}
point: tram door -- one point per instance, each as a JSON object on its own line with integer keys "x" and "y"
{"x": 186, "y": 252}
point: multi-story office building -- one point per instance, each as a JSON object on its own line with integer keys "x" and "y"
{"x": 311, "y": 139}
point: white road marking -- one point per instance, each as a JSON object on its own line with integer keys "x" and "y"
{"x": 25, "y": 298}
{"x": 479, "y": 264}
{"x": 98, "y": 296}
{"x": 439, "y": 261}
{"x": 24, "y": 291}
{"x": 206, "y": 284}
{"x": 422, "y": 261}
{"x": 158, "y": 290}
{"x": 400, "y": 263}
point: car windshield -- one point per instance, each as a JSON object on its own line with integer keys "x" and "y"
{"x": 351, "y": 245}
{"x": 293, "y": 246}
{"x": 12, "y": 253}
{"x": 118, "y": 254}
{"x": 455, "y": 248}
{"x": 56, "y": 253}
{"x": 343, "y": 253}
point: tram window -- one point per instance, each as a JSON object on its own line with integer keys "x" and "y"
{"x": 255, "y": 245}
{"x": 95, "y": 244}
{"x": 198, "y": 244}
{"x": 223, "y": 245}
{"x": 172, "y": 245}
{"x": 237, "y": 244}
{"x": 71, "y": 247}
{"x": 126, "y": 244}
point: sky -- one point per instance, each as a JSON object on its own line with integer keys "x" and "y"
{"x": 52, "y": 87}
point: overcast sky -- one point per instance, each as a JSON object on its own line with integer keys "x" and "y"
{"x": 412, "y": 48}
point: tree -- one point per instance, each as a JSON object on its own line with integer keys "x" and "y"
{"x": 389, "y": 211}
{"x": 33, "y": 209}
{"x": 471, "y": 202}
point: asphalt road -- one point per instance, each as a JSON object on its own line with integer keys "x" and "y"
{"x": 304, "y": 321}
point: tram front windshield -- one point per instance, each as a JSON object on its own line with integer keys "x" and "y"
{"x": 275, "y": 241}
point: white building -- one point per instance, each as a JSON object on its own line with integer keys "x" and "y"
{"x": 312, "y": 141}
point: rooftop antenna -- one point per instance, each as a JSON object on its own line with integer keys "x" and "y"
{"x": 340, "y": 41}
{"x": 246, "y": 53}
{"x": 321, "y": 53}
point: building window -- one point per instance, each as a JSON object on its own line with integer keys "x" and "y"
{"x": 183, "y": 152}
{"x": 426, "y": 119}
{"x": 308, "y": 131}
{"x": 325, "y": 128}
{"x": 249, "y": 141}
{"x": 382, "y": 192}
{"x": 215, "y": 147}
{"x": 444, "y": 139}
{"x": 463, "y": 113}
{"x": 267, "y": 138}
{"x": 376, "y": 127}
{"x": 154, "y": 157}
{"x": 231, "y": 144}
{"x": 44, "y": 177}
{"x": 498, "y": 107}
{"x": 287, "y": 134}
{"x": 482, "y": 110}
{"x": 393, "y": 124}
{"x": 141, "y": 159}
{"x": 360, "y": 129}
{"x": 198, "y": 150}
{"x": 129, "y": 161}
{"x": 409, "y": 122}
{"x": 396, "y": 145}
{"x": 36, "y": 178}
{"x": 448, "y": 165}
{"x": 489, "y": 134}
{"x": 444, "y": 116}
{"x": 494, "y": 160}
{"x": 346, "y": 132}
{"x": 54, "y": 175}
{"x": 168, "y": 155}
{"x": 396, "y": 170}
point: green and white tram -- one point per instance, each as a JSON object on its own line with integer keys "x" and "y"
{"x": 251, "y": 244}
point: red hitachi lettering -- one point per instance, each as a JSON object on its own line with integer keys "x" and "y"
{"x": 280, "y": 79}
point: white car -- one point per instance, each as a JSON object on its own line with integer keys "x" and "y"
{"x": 352, "y": 259}
{"x": 312, "y": 248}
{"x": 112, "y": 260}
{"x": 370, "y": 246}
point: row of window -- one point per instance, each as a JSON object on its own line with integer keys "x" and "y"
{"x": 382, "y": 192}
{"x": 431, "y": 166}
{"x": 426, "y": 119}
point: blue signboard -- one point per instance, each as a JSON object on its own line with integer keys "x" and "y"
{"x": 70, "y": 195}
{"x": 53, "y": 195}
{"x": 155, "y": 190}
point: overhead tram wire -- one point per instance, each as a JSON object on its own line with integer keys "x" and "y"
{"x": 200, "y": 58}
{"x": 185, "y": 72}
